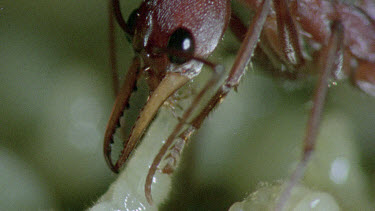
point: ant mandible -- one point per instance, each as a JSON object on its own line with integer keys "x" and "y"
{"x": 174, "y": 44}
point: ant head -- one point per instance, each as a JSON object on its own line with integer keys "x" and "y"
{"x": 170, "y": 34}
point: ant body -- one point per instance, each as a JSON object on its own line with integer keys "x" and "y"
{"x": 173, "y": 45}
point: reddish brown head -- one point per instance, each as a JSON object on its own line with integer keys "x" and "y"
{"x": 173, "y": 38}
{"x": 198, "y": 23}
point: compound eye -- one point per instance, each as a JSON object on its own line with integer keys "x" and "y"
{"x": 132, "y": 21}
{"x": 181, "y": 41}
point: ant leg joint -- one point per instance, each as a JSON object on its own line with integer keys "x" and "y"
{"x": 173, "y": 156}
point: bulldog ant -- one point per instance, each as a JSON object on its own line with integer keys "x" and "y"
{"x": 173, "y": 45}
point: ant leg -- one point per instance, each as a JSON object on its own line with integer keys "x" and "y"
{"x": 239, "y": 30}
{"x": 122, "y": 102}
{"x": 112, "y": 48}
{"x": 287, "y": 34}
{"x": 242, "y": 60}
{"x": 329, "y": 57}
{"x": 118, "y": 15}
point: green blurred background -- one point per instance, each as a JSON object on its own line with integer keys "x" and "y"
{"x": 56, "y": 97}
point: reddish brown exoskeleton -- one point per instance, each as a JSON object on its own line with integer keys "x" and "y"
{"x": 174, "y": 38}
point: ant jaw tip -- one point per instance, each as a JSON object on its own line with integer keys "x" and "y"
{"x": 112, "y": 167}
{"x": 115, "y": 169}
